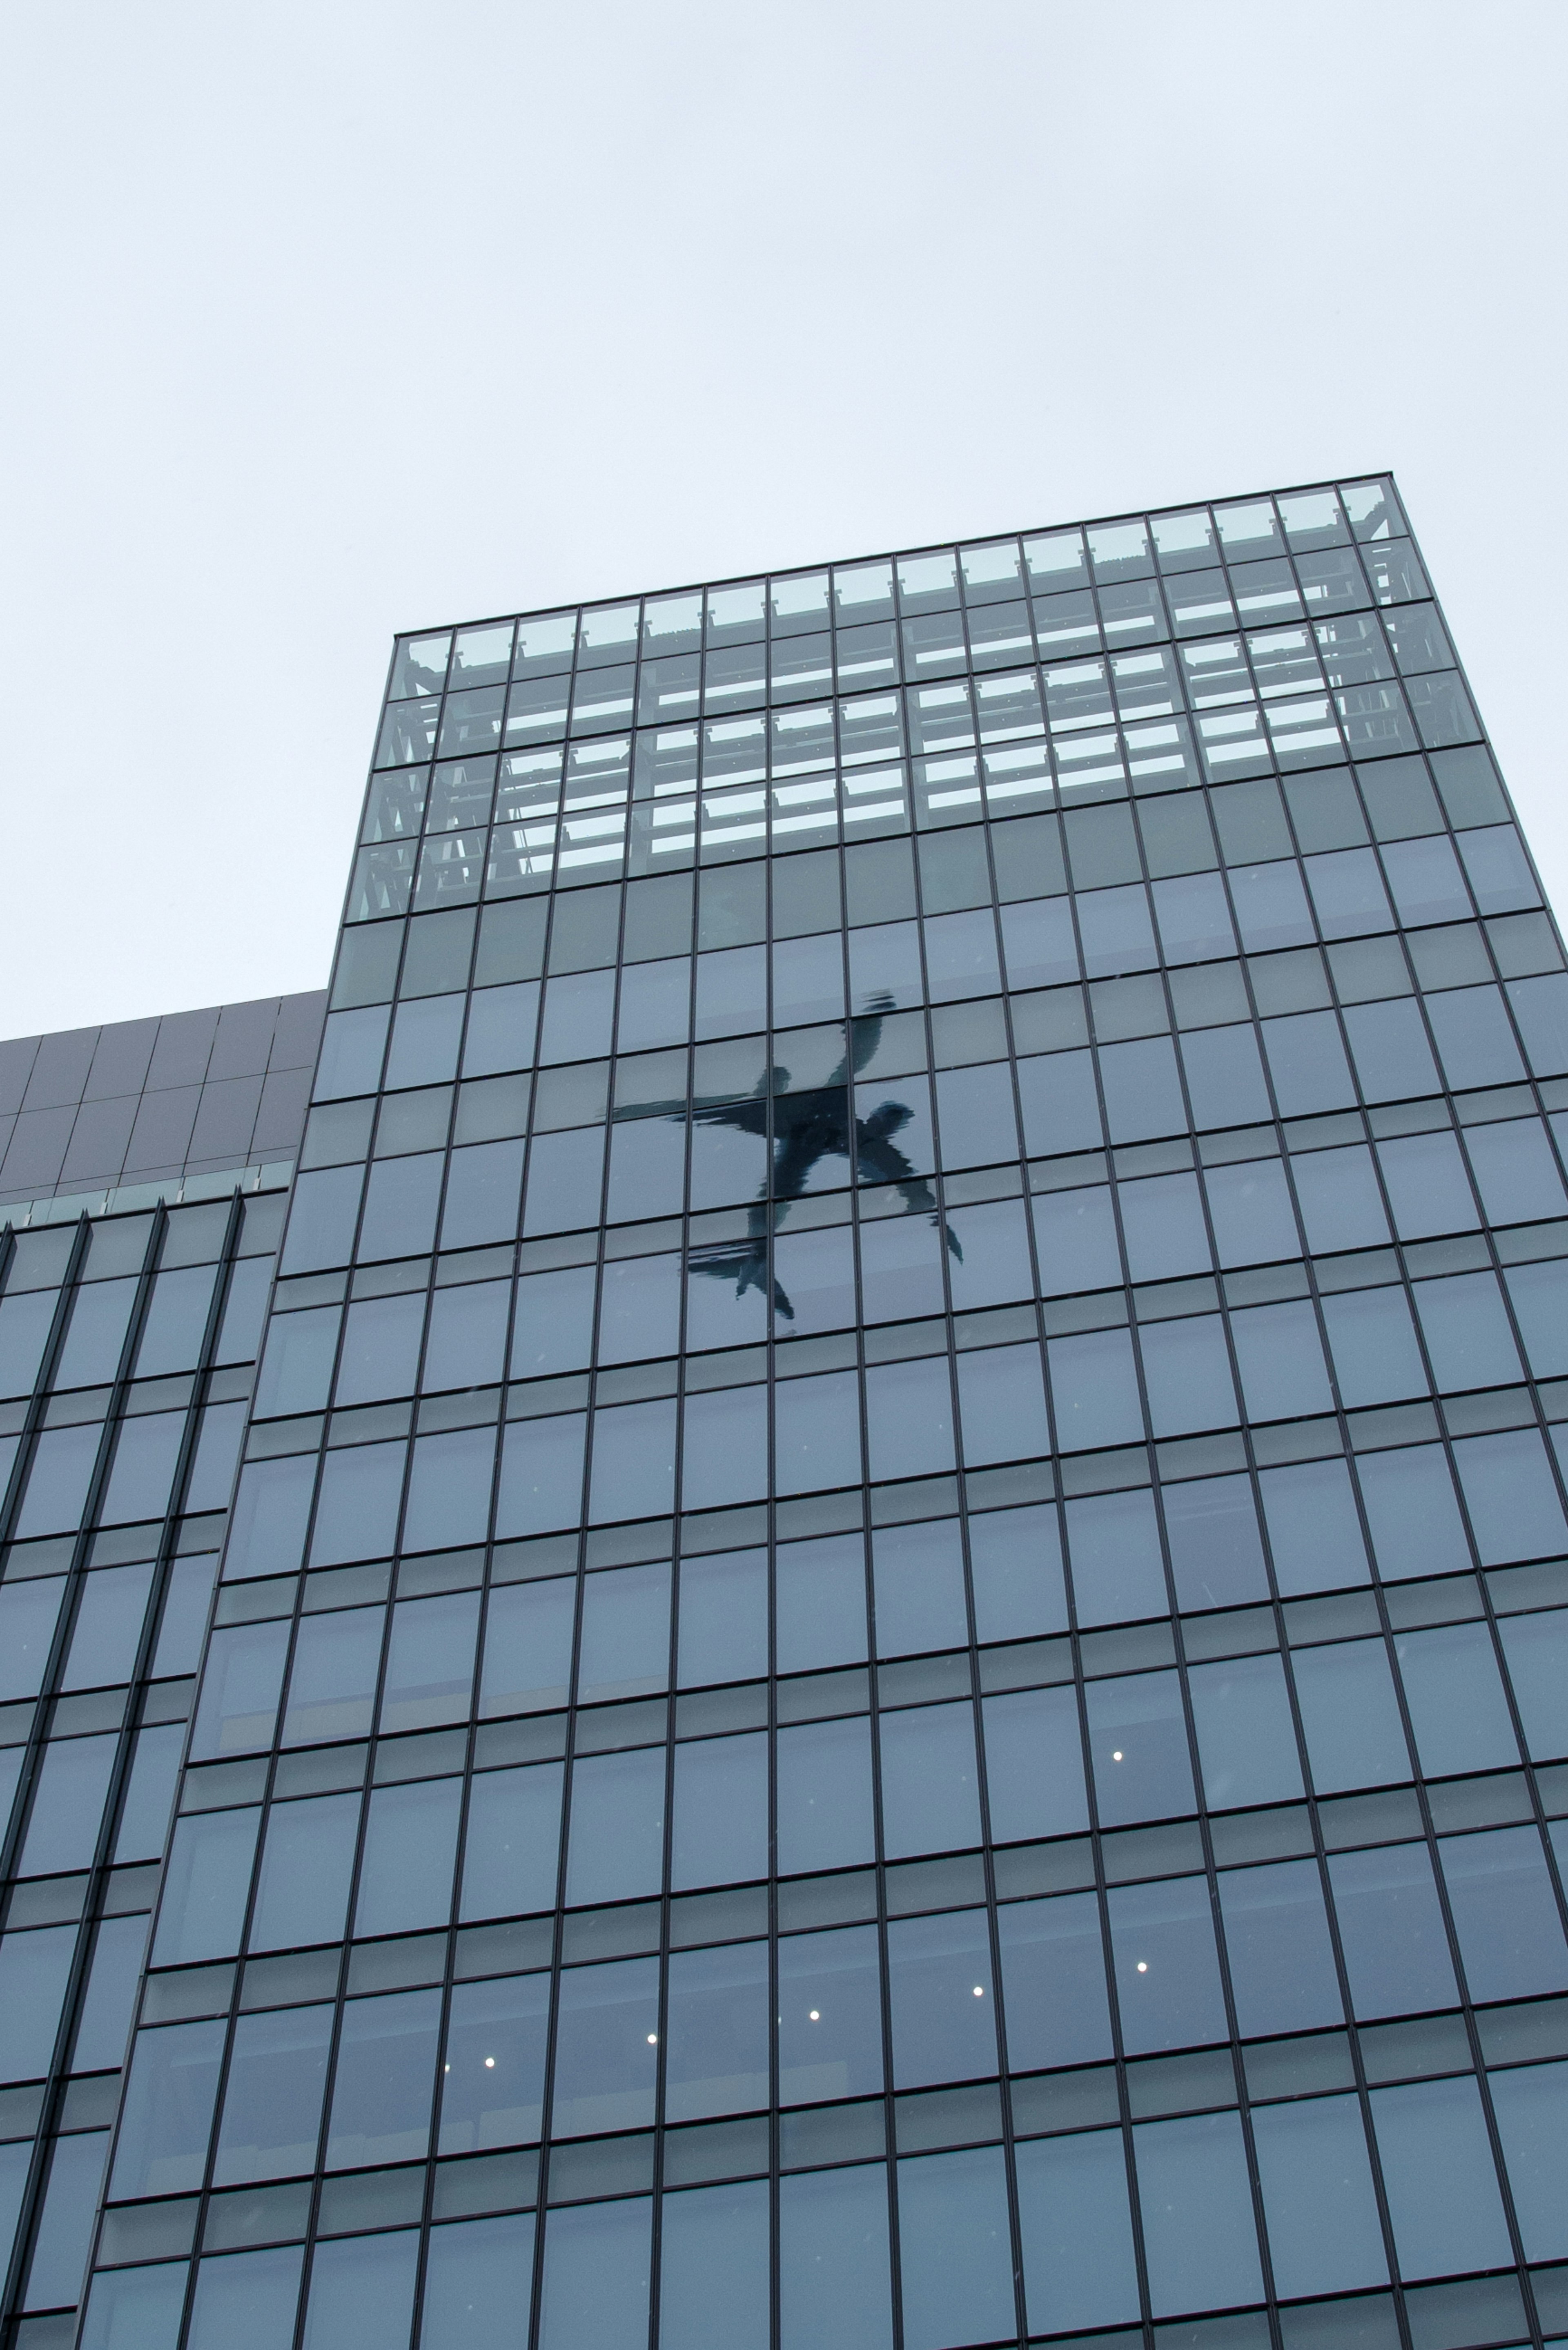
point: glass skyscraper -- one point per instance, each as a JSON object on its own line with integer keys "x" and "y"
{"x": 889, "y": 1668}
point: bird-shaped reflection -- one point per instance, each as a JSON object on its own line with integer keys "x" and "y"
{"x": 807, "y": 1128}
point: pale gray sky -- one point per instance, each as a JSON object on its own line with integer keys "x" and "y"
{"x": 335, "y": 317}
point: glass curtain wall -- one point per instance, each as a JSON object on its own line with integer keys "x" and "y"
{"x": 127, "y": 1347}
{"x": 890, "y": 1664}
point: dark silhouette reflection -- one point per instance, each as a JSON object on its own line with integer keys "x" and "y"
{"x": 807, "y": 1128}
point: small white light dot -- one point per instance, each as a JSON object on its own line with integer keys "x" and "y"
{"x": 490, "y": 2064}
{"x": 653, "y": 2039}
{"x": 446, "y": 2068}
{"x": 1116, "y": 1754}
{"x": 817, "y": 2015}
{"x": 1143, "y": 1966}
{"x": 979, "y": 1991}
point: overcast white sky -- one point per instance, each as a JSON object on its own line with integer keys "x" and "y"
{"x": 335, "y": 317}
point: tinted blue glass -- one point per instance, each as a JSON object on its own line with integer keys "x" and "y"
{"x": 830, "y": 2015}
{"x": 1341, "y": 1205}
{"x": 625, "y": 1646}
{"x": 724, "y": 1620}
{"x": 103, "y": 2024}
{"x": 1512, "y": 1501}
{"x": 724, "y": 1458}
{"x": 1276, "y": 1937}
{"x": 511, "y": 1858}
{"x": 823, "y": 1798}
{"x": 401, "y": 1202}
{"x": 713, "y": 2269}
{"x": 1392, "y": 1058}
{"x": 477, "y": 2276}
{"x": 58, "y": 1478}
{"x": 615, "y": 1852}
{"x": 1440, "y": 2178}
{"x": 1162, "y": 1221}
{"x": 136, "y": 2309}
{"x": 1078, "y": 2263}
{"x": 1455, "y": 1696}
{"x": 27, "y": 1616}
{"x": 606, "y": 2047}
{"x": 272, "y": 2102}
{"x": 303, "y": 1891}
{"x": 168, "y": 2109}
{"x": 564, "y": 1172}
{"x": 640, "y": 1312}
{"x": 223, "y": 1428}
{"x": 528, "y": 1647}
{"x": 1538, "y": 1294}
{"x": 1187, "y": 1370}
{"x": 1474, "y": 1037}
{"x": 24, "y": 1322}
{"x": 357, "y": 1509}
{"x": 109, "y": 1612}
{"x": 245, "y": 2297}
{"x": 1515, "y": 1170}
{"x": 1142, "y": 1089}
{"x": 332, "y": 1685}
{"x": 410, "y": 1849}
{"x": 1324, "y": 2235}
{"x": 956, "y": 2248}
{"x": 150, "y": 1794}
{"x": 1224, "y": 1076}
{"x": 719, "y": 1833}
{"x": 1166, "y": 1971}
{"x": 1035, "y": 1765}
{"x": 430, "y": 1657}
{"x": 34, "y": 1969}
{"x": 1391, "y": 1930}
{"x": 381, "y": 1349}
{"x": 1137, "y": 1743}
{"x": 362, "y": 2292}
{"x": 919, "y": 1593}
{"x": 1314, "y": 1531}
{"x": 1246, "y": 1739}
{"x": 821, "y": 1603}
{"x": 1413, "y": 1511}
{"x": 64, "y": 2224}
{"x": 482, "y": 1195}
{"x": 942, "y": 1998}
{"x": 204, "y": 1891}
{"x": 909, "y": 1416}
{"x": 1536, "y": 1647}
{"x": 467, "y": 1343}
{"x": 1197, "y": 2205}
{"x": 554, "y": 1321}
{"x": 67, "y": 1804}
{"x": 817, "y": 1432}
{"x": 1094, "y": 1390}
{"x": 1354, "y": 1735}
{"x": 1114, "y": 1542}
{"x": 1307, "y": 1064}
{"x": 541, "y": 1475}
{"x": 95, "y": 1335}
{"x": 930, "y": 1792}
{"x": 1002, "y": 1403}
{"x": 994, "y": 1265}
{"x": 176, "y": 1318}
{"x": 1015, "y": 1561}
{"x": 633, "y": 1461}
{"x": 1054, "y": 1981}
{"x": 1505, "y": 1914}
{"x": 1427, "y": 1187}
{"x": 833, "y": 2279}
{"x": 1532, "y": 2107}
{"x": 266, "y": 1529}
{"x": 323, "y": 1212}
{"x": 716, "y": 2032}
{"x": 1216, "y": 1555}
{"x": 384, "y": 2080}
{"x": 493, "y": 2078}
{"x": 449, "y": 1490}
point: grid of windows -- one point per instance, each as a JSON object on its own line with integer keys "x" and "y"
{"x": 890, "y": 1661}
{"x": 127, "y": 1348}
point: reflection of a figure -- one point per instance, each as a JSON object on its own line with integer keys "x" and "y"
{"x": 807, "y": 1127}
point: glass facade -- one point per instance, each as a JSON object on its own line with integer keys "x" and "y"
{"x": 130, "y": 1314}
{"x": 890, "y": 1661}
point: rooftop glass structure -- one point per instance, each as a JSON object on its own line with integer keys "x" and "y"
{"x": 889, "y": 1670}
